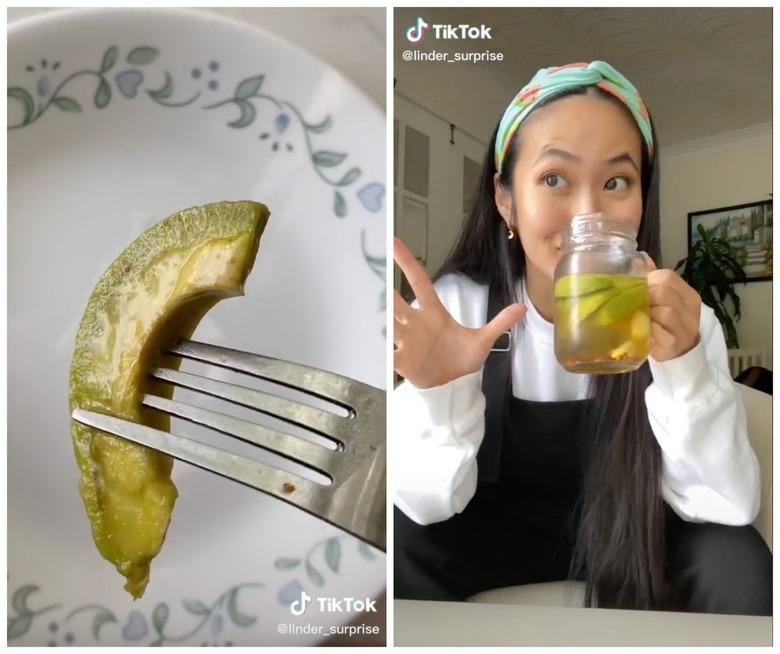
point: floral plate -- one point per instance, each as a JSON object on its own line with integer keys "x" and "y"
{"x": 116, "y": 119}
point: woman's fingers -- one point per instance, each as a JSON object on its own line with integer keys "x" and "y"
{"x": 400, "y": 332}
{"x": 679, "y": 306}
{"x": 663, "y": 288}
{"x": 664, "y": 316}
{"x": 675, "y": 311}
{"x": 401, "y": 310}
{"x": 650, "y": 263}
{"x": 504, "y": 321}
{"x": 415, "y": 274}
{"x": 672, "y": 282}
{"x": 661, "y": 341}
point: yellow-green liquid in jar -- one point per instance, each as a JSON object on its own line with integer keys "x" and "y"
{"x": 602, "y": 323}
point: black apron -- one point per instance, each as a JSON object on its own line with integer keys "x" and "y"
{"x": 519, "y": 527}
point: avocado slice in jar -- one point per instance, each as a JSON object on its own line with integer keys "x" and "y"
{"x": 153, "y": 294}
{"x": 622, "y": 305}
{"x": 578, "y": 284}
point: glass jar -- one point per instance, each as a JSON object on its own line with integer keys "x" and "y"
{"x": 602, "y": 315}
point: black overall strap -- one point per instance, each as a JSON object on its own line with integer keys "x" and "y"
{"x": 496, "y": 383}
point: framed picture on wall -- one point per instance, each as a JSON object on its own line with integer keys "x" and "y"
{"x": 747, "y": 228}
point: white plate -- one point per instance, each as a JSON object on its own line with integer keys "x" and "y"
{"x": 155, "y": 111}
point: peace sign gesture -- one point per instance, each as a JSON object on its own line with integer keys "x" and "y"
{"x": 432, "y": 348}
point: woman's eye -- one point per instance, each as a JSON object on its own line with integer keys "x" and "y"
{"x": 552, "y": 180}
{"x": 614, "y": 184}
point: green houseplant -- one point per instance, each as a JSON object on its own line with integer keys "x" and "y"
{"x": 712, "y": 269}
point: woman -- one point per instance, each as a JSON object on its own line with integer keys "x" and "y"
{"x": 511, "y": 470}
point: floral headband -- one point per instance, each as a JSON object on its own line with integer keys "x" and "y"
{"x": 551, "y": 81}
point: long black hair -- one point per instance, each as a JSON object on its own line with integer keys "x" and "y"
{"x": 620, "y": 547}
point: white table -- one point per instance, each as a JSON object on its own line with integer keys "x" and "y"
{"x": 472, "y": 624}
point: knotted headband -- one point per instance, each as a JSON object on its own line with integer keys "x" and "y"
{"x": 551, "y": 81}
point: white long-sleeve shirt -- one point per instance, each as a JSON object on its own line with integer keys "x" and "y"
{"x": 710, "y": 472}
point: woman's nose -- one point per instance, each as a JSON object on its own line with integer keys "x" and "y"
{"x": 587, "y": 202}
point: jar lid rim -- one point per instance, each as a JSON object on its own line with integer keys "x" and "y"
{"x": 584, "y": 223}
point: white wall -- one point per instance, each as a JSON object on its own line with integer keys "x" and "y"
{"x": 726, "y": 170}
{"x": 445, "y": 201}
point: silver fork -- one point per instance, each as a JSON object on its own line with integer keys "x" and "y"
{"x": 355, "y": 500}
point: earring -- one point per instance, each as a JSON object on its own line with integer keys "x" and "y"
{"x": 511, "y": 234}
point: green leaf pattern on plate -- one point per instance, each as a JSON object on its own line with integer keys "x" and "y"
{"x": 142, "y": 56}
{"x": 246, "y": 93}
{"x": 205, "y": 618}
{"x": 103, "y": 94}
{"x": 209, "y": 619}
{"x": 20, "y": 623}
{"x": 247, "y": 100}
{"x": 333, "y": 551}
{"x": 109, "y": 59}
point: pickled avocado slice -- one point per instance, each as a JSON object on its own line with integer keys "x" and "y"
{"x": 582, "y": 295}
{"x": 622, "y": 305}
{"x": 154, "y": 293}
{"x": 581, "y": 284}
{"x": 624, "y": 282}
{"x": 577, "y": 309}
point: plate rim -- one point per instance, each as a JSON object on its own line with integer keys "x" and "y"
{"x": 30, "y": 23}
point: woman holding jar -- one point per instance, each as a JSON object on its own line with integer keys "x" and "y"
{"x": 513, "y": 470}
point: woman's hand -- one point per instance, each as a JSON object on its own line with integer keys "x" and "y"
{"x": 431, "y": 347}
{"x": 675, "y": 309}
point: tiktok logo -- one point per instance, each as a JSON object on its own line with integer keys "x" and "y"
{"x": 298, "y": 607}
{"x": 416, "y": 32}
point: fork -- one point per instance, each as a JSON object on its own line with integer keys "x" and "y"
{"x": 355, "y": 499}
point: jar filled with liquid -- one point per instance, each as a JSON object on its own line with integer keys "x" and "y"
{"x": 602, "y": 316}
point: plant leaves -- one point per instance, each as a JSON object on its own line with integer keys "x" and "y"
{"x": 319, "y": 128}
{"x": 19, "y": 599}
{"x": 160, "y": 616}
{"x": 333, "y": 554}
{"x": 102, "y": 618}
{"x": 142, "y": 56}
{"x": 314, "y": 574}
{"x": 103, "y": 94}
{"x": 196, "y": 607}
{"x": 66, "y": 104}
{"x": 249, "y": 87}
{"x": 285, "y": 563}
{"x": 19, "y": 626}
{"x": 351, "y": 175}
{"x": 339, "y": 205}
{"x": 714, "y": 263}
{"x": 109, "y": 59}
{"x": 241, "y": 619}
{"x": 20, "y": 94}
{"x": 165, "y": 91}
{"x": 326, "y": 158}
{"x": 737, "y": 304}
{"x": 247, "y": 116}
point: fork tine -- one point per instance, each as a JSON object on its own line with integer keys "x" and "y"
{"x": 321, "y": 422}
{"x": 286, "y": 486}
{"x": 291, "y": 447}
{"x": 326, "y": 385}
{"x": 351, "y": 506}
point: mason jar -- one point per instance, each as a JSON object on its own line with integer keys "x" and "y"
{"x": 602, "y": 315}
